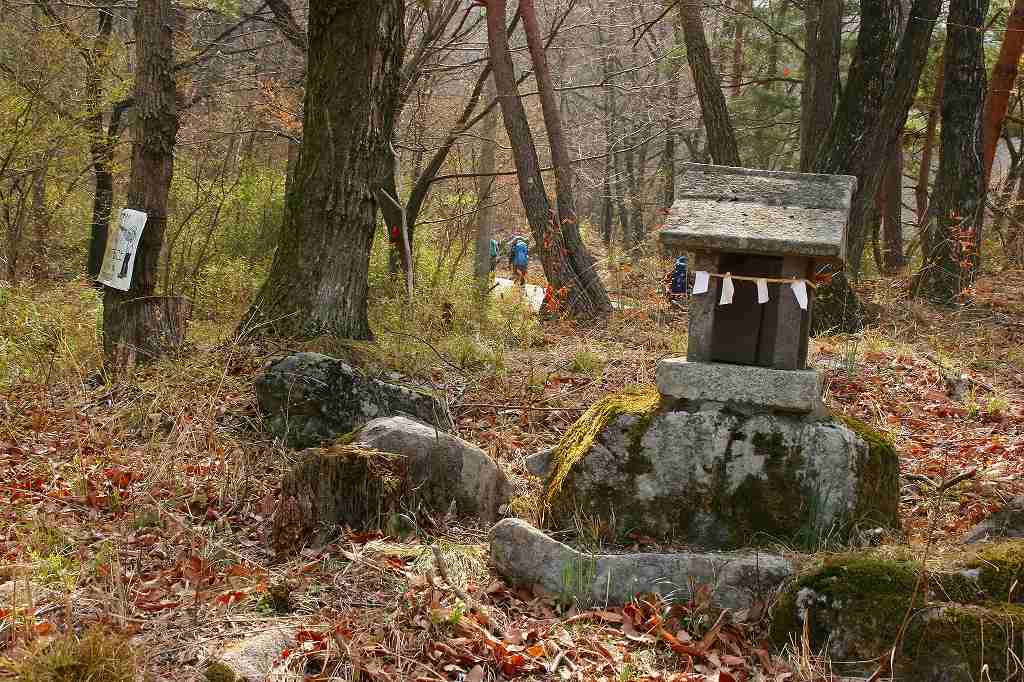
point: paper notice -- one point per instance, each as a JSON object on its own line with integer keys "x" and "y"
{"x": 122, "y": 244}
{"x": 799, "y": 288}
{"x": 762, "y": 291}
{"x": 700, "y": 282}
{"x": 727, "y": 291}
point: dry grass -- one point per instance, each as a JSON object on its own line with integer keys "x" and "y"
{"x": 145, "y": 504}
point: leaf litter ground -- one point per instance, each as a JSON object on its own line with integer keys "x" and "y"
{"x": 145, "y": 506}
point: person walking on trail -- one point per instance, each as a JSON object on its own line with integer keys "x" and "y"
{"x": 494, "y": 255}
{"x": 519, "y": 259}
{"x": 677, "y": 282}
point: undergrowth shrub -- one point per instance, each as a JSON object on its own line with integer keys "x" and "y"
{"x": 93, "y": 657}
{"x": 47, "y": 334}
{"x": 449, "y": 321}
{"x": 224, "y": 290}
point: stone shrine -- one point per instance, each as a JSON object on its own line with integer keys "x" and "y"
{"x": 735, "y": 448}
{"x": 752, "y": 224}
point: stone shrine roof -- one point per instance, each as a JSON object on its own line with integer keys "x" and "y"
{"x": 743, "y": 210}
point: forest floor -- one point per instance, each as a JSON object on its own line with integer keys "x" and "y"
{"x": 144, "y": 506}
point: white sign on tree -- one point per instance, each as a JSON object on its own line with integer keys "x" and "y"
{"x": 122, "y": 245}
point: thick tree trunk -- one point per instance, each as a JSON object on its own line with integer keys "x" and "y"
{"x": 1004, "y": 77}
{"x": 960, "y": 185}
{"x": 861, "y": 136}
{"x": 594, "y": 299}
{"x": 890, "y": 200}
{"x": 485, "y": 195}
{"x": 721, "y": 136}
{"x": 318, "y": 280}
{"x": 139, "y": 327}
{"x": 821, "y": 76}
{"x": 569, "y": 289}
{"x": 924, "y": 172}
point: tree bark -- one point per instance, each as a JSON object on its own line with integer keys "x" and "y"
{"x": 739, "y": 26}
{"x": 1004, "y": 77}
{"x": 821, "y": 76}
{"x": 721, "y": 136}
{"x": 485, "y": 195}
{"x": 890, "y": 200}
{"x": 139, "y": 327}
{"x": 924, "y": 172}
{"x": 861, "y": 136}
{"x": 568, "y": 287}
{"x": 595, "y": 299}
{"x": 960, "y": 186}
{"x": 318, "y": 280}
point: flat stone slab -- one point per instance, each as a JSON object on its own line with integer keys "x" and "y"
{"x": 524, "y": 555}
{"x": 775, "y": 389}
{"x": 743, "y": 210}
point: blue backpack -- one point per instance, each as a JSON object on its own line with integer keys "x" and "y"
{"x": 521, "y": 254}
{"x": 679, "y": 284}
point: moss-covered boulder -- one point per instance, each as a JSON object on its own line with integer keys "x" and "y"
{"x": 392, "y": 464}
{"x": 311, "y": 399}
{"x": 712, "y": 476}
{"x": 958, "y": 619}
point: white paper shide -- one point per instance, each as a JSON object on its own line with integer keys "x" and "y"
{"x": 122, "y": 245}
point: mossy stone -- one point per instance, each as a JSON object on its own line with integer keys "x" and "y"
{"x": 856, "y": 604}
{"x": 218, "y": 672}
{"x": 878, "y": 477}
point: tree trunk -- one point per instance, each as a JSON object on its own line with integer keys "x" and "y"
{"x": 568, "y": 287}
{"x": 1015, "y": 235}
{"x": 318, "y": 280}
{"x": 139, "y": 327}
{"x": 101, "y": 144}
{"x": 594, "y": 298}
{"x": 721, "y": 136}
{"x": 485, "y": 196}
{"x": 1004, "y": 77}
{"x": 739, "y": 26}
{"x": 960, "y": 185}
{"x": 821, "y": 76}
{"x": 861, "y": 136}
{"x": 890, "y": 200}
{"x": 924, "y": 172}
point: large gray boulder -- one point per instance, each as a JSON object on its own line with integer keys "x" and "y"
{"x": 391, "y": 467}
{"x": 309, "y": 399}
{"x": 707, "y": 475}
{"x": 524, "y": 555}
{"x": 442, "y": 468}
{"x": 1007, "y": 522}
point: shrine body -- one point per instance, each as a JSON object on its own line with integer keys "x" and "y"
{"x": 742, "y": 225}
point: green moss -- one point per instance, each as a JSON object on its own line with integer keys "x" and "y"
{"x": 878, "y": 477}
{"x": 582, "y": 435}
{"x": 1000, "y": 570}
{"x": 218, "y": 672}
{"x": 856, "y": 603}
{"x": 864, "y": 595}
{"x": 770, "y": 444}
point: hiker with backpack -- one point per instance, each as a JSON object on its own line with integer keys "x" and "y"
{"x": 519, "y": 259}
{"x": 677, "y": 282}
{"x": 494, "y": 256}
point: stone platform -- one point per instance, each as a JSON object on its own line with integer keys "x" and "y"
{"x": 741, "y": 385}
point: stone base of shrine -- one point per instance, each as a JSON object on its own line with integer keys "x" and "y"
{"x": 760, "y": 388}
